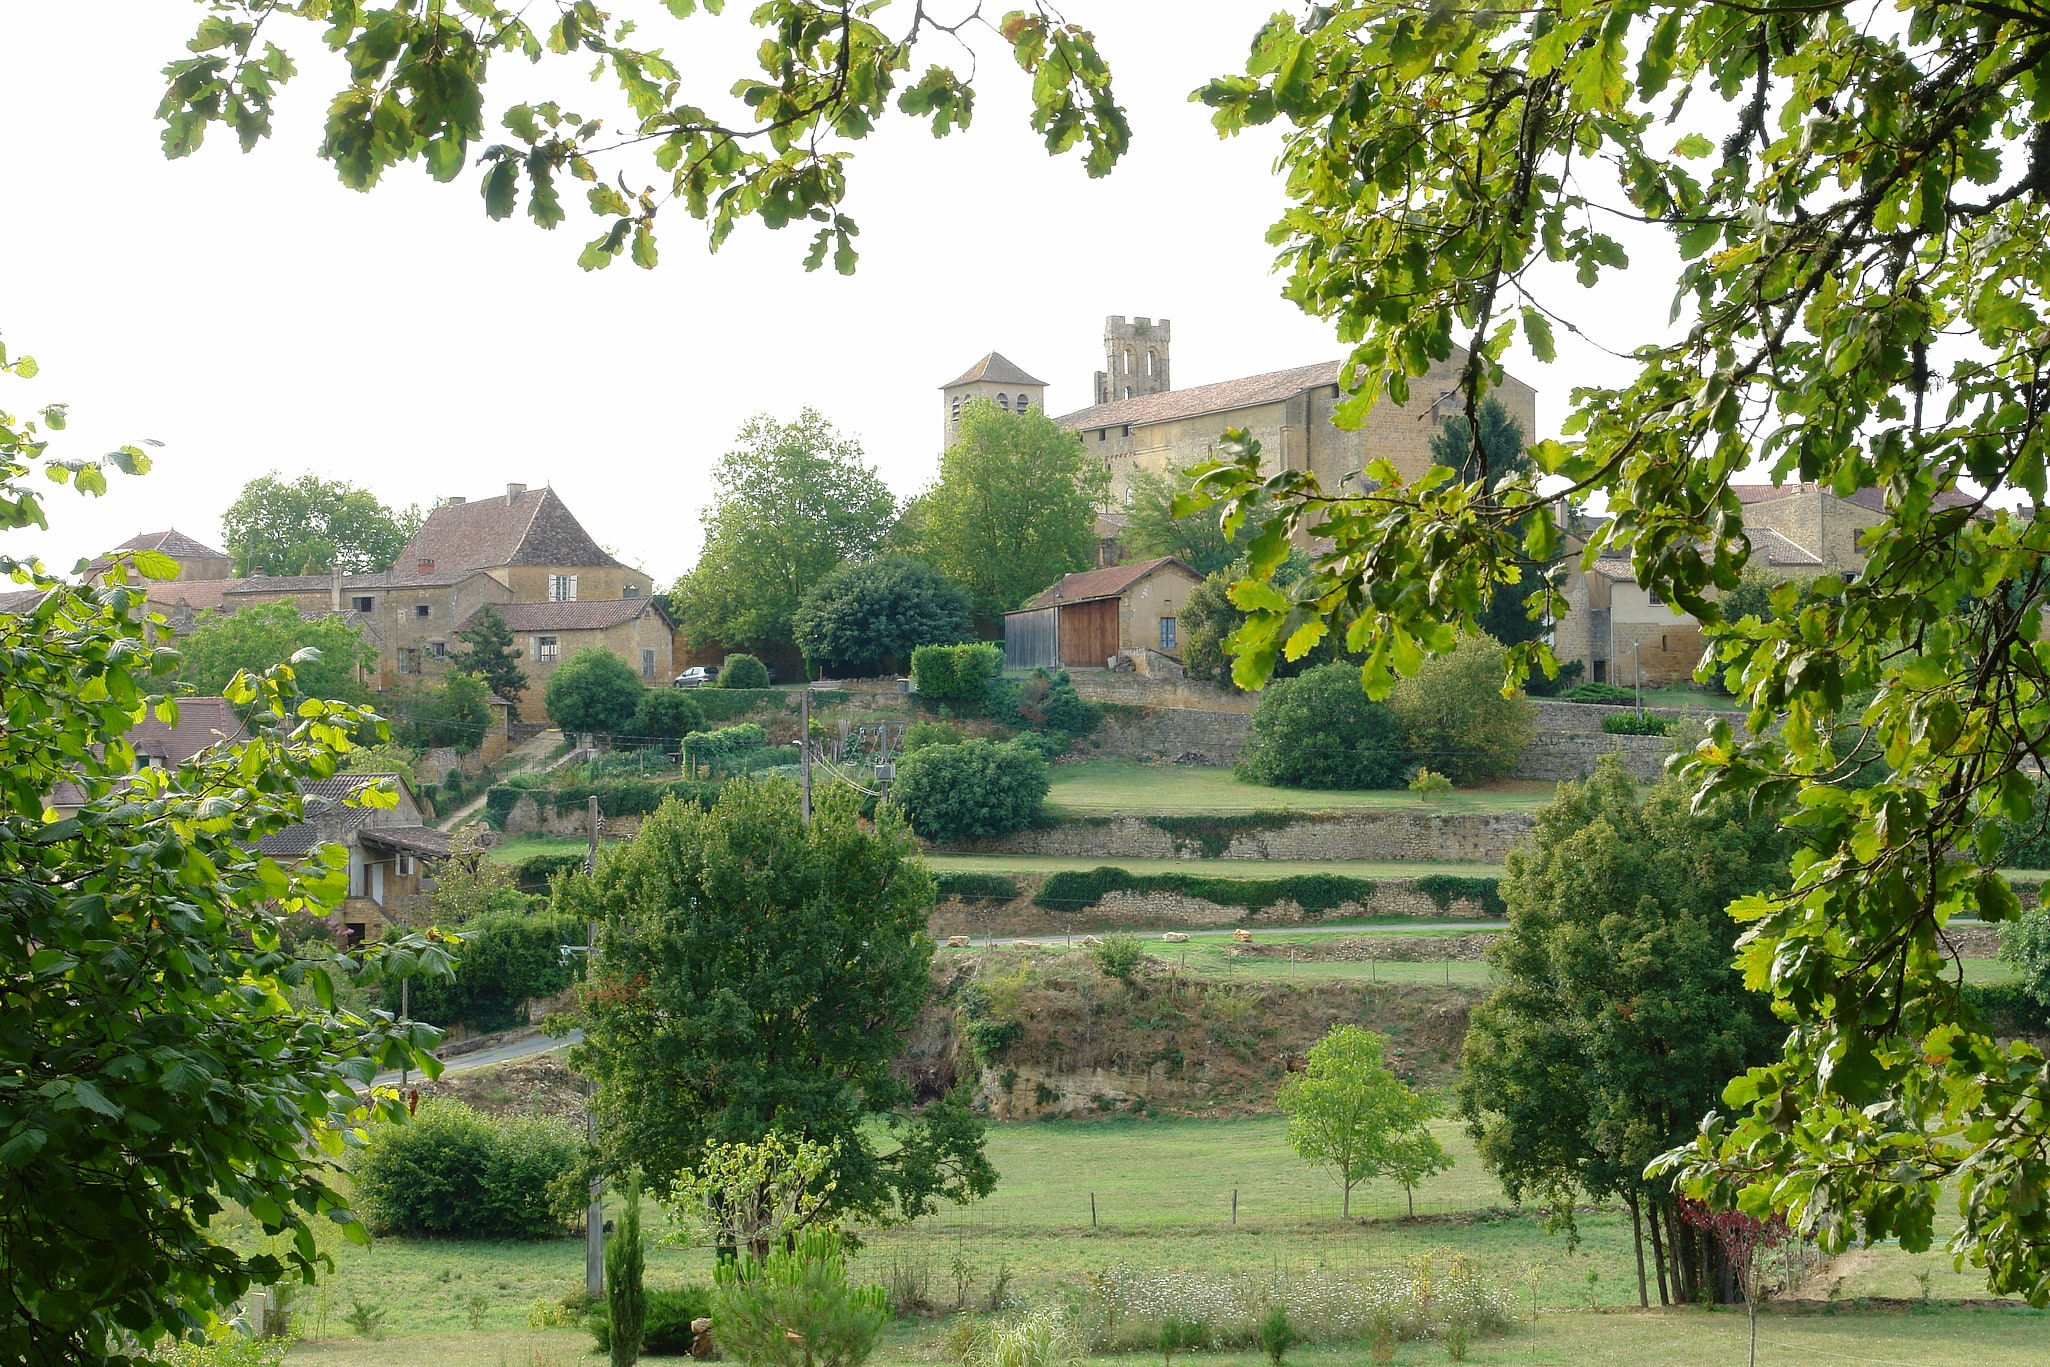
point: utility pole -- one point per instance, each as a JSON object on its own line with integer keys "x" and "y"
{"x": 594, "y": 1215}
{"x": 804, "y": 753}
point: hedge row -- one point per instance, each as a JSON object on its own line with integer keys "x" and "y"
{"x": 1315, "y": 893}
{"x": 2008, "y": 1008}
{"x": 977, "y": 887}
{"x": 1444, "y": 889}
{"x": 616, "y": 797}
{"x": 537, "y": 871}
{"x": 453, "y": 1173}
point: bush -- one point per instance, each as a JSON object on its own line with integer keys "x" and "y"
{"x": 1598, "y": 693}
{"x": 667, "y": 715}
{"x": 626, "y": 1301}
{"x": 958, "y": 675}
{"x": 1048, "y": 701}
{"x": 796, "y": 1307}
{"x": 1315, "y": 893}
{"x": 1455, "y": 719}
{"x": 1120, "y": 955}
{"x": 970, "y": 791}
{"x": 871, "y": 614}
{"x": 593, "y": 690}
{"x": 920, "y": 734}
{"x": 2027, "y": 845}
{"x": 1048, "y": 745}
{"x": 1446, "y": 888}
{"x": 665, "y": 1330}
{"x": 1320, "y": 730}
{"x": 2025, "y": 944}
{"x": 1538, "y": 686}
{"x": 976, "y": 887}
{"x": 452, "y": 1173}
{"x": 506, "y": 959}
{"x": 743, "y": 671}
{"x": 1428, "y": 783}
{"x": 1636, "y": 724}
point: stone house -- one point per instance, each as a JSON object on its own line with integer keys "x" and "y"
{"x": 196, "y": 560}
{"x": 635, "y": 629}
{"x": 391, "y": 850}
{"x": 1090, "y": 618}
{"x": 202, "y": 724}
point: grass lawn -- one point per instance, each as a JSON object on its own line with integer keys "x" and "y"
{"x": 1680, "y": 695}
{"x": 1037, "y": 864}
{"x": 1109, "y": 785}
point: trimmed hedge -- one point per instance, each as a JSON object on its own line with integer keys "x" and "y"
{"x": 1608, "y": 693}
{"x": 957, "y": 674}
{"x": 537, "y": 871}
{"x": 453, "y": 1173}
{"x": 1636, "y": 724}
{"x": 1315, "y": 893}
{"x": 726, "y": 704}
{"x": 616, "y": 797}
{"x": 1444, "y": 889}
{"x": 977, "y": 887}
{"x": 507, "y": 959}
{"x": 1214, "y": 834}
{"x": 2008, "y": 1009}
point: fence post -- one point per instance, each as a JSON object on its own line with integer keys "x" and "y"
{"x": 1092, "y": 1210}
{"x": 1234, "y": 1206}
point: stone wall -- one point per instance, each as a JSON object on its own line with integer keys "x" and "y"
{"x": 1170, "y": 733}
{"x": 1173, "y": 910}
{"x": 1130, "y": 688}
{"x": 1572, "y": 756}
{"x": 1580, "y": 718}
{"x": 1384, "y": 836}
{"x": 564, "y": 823}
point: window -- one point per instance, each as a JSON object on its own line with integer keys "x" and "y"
{"x": 362, "y": 604}
{"x": 1167, "y": 633}
{"x": 630, "y": 591}
{"x": 422, "y": 610}
{"x": 409, "y": 660}
{"x": 1656, "y": 601}
{"x": 547, "y": 649}
{"x": 1004, "y": 402}
{"x": 562, "y": 588}
{"x": 1152, "y": 363}
{"x": 403, "y": 866}
{"x": 1023, "y": 403}
{"x": 957, "y": 410}
{"x": 438, "y": 649}
{"x": 1103, "y": 434}
{"x": 1131, "y": 364}
{"x": 1128, "y": 391}
{"x": 647, "y": 663}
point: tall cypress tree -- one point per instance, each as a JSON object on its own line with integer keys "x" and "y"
{"x": 625, "y": 1298}
{"x": 491, "y": 656}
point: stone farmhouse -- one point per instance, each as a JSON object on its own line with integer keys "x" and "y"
{"x": 1091, "y": 619}
{"x": 390, "y": 850}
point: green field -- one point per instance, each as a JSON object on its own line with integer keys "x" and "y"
{"x": 1038, "y": 864}
{"x": 1108, "y": 785}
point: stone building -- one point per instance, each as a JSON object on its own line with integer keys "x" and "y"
{"x": 1087, "y": 619}
{"x": 993, "y": 378}
{"x": 1135, "y": 357}
{"x": 196, "y": 560}
{"x": 390, "y": 850}
{"x": 637, "y": 630}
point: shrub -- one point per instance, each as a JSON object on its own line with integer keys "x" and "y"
{"x": 1048, "y": 745}
{"x": 506, "y": 959}
{"x": 666, "y": 1331}
{"x": 1636, "y": 724}
{"x": 1277, "y": 1336}
{"x": 1454, "y": 717}
{"x": 453, "y": 1173}
{"x": 667, "y": 715}
{"x": 1538, "y": 686}
{"x": 920, "y": 734}
{"x": 2027, "y": 844}
{"x": 2025, "y": 944}
{"x": 1120, "y": 955}
{"x": 743, "y": 671}
{"x": 1446, "y": 888}
{"x": 1428, "y": 783}
{"x": 1320, "y": 730}
{"x": 593, "y": 690}
{"x": 959, "y": 675}
{"x": 1047, "y": 700}
{"x": 626, "y": 1303}
{"x": 1598, "y": 693}
{"x": 1040, "y": 1340}
{"x": 455, "y": 712}
{"x": 795, "y": 1308}
{"x": 971, "y": 790}
{"x": 1315, "y": 893}
{"x": 976, "y": 887}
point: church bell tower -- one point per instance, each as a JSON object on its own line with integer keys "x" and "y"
{"x": 1134, "y": 359}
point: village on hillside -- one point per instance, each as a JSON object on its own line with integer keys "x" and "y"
{"x": 1512, "y": 831}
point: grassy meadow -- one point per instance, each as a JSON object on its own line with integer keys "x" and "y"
{"x": 1099, "y": 786}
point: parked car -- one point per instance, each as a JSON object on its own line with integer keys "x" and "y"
{"x": 697, "y": 676}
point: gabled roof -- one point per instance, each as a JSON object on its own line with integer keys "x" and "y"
{"x": 1090, "y": 585}
{"x": 1221, "y": 397}
{"x": 173, "y": 543}
{"x": 1870, "y": 499}
{"x": 320, "y": 583}
{"x": 199, "y": 595}
{"x": 329, "y": 815}
{"x": 1768, "y": 547}
{"x": 201, "y": 722}
{"x": 992, "y": 369}
{"x": 531, "y": 527}
{"x": 421, "y": 840}
{"x": 593, "y": 614}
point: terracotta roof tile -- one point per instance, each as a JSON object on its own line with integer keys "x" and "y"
{"x": 992, "y": 369}
{"x": 319, "y": 583}
{"x": 533, "y": 527}
{"x": 594, "y": 614}
{"x": 1091, "y": 585}
{"x": 1870, "y": 499}
{"x": 1221, "y": 397}
{"x": 201, "y": 722}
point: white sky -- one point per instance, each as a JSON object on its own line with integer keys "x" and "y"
{"x": 252, "y": 314}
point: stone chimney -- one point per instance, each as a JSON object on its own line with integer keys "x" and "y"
{"x": 513, "y": 491}
{"x": 334, "y": 587}
{"x": 452, "y": 500}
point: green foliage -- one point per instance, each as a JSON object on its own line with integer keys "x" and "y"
{"x": 1121, "y": 955}
{"x": 468, "y": 885}
{"x": 920, "y": 734}
{"x": 453, "y": 1173}
{"x": 667, "y": 715}
{"x": 1277, "y": 1336}
{"x": 866, "y": 617}
{"x": 795, "y": 1308}
{"x": 490, "y": 653}
{"x": 2025, "y": 842}
{"x": 1320, "y": 730}
{"x": 1427, "y": 783}
{"x": 976, "y": 887}
{"x": 959, "y": 675}
{"x": 1213, "y": 834}
{"x": 1636, "y": 724}
{"x": 743, "y": 671}
{"x": 1152, "y": 529}
{"x": 1615, "y": 901}
{"x": 1014, "y": 507}
{"x": 665, "y": 1331}
{"x": 970, "y": 791}
{"x": 537, "y": 871}
{"x": 1315, "y": 893}
{"x": 2008, "y": 1008}
{"x": 1445, "y": 888}
{"x": 455, "y": 712}
{"x": 756, "y": 974}
{"x": 2025, "y": 944}
{"x": 595, "y": 691}
{"x": 626, "y": 1302}
{"x": 227, "y": 1346}
{"x": 1502, "y": 452}
{"x": 257, "y": 638}
{"x": 1210, "y": 617}
{"x": 1612, "y": 694}
{"x": 728, "y": 704}
{"x": 1542, "y": 685}
{"x": 1047, "y": 700}
{"x": 1454, "y": 717}
{"x": 498, "y": 804}
{"x": 506, "y": 959}
{"x": 793, "y": 501}
{"x": 1347, "y": 1111}
{"x": 311, "y": 525}
{"x": 385, "y": 758}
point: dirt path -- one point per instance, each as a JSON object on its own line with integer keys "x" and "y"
{"x": 521, "y": 757}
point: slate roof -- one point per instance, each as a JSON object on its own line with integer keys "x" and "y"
{"x": 1091, "y": 585}
{"x": 334, "y": 819}
{"x": 992, "y": 369}
{"x": 533, "y": 527}
{"x": 591, "y": 614}
{"x": 1221, "y": 397}
{"x": 1768, "y": 547}
{"x": 172, "y": 542}
{"x": 1871, "y": 500}
{"x": 20, "y": 600}
{"x": 312, "y": 583}
{"x": 421, "y": 840}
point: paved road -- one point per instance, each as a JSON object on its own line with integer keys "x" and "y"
{"x": 504, "y": 1053}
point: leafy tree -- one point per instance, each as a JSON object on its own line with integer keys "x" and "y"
{"x": 794, "y": 500}
{"x": 1502, "y": 453}
{"x": 625, "y": 1299}
{"x": 386, "y": 758}
{"x": 756, "y": 974}
{"x": 1617, "y": 1016}
{"x": 469, "y": 884}
{"x": 1320, "y": 730}
{"x": 743, "y": 671}
{"x": 1210, "y": 617}
{"x": 1347, "y": 1111}
{"x": 755, "y": 1196}
{"x": 969, "y": 791}
{"x": 1014, "y": 507}
{"x": 453, "y": 1173}
{"x": 454, "y": 712}
{"x": 593, "y": 690}
{"x": 1415, "y": 1156}
{"x": 311, "y": 525}
{"x": 150, "y": 975}
{"x": 256, "y": 638}
{"x": 1455, "y": 719}
{"x": 491, "y": 655}
{"x": 870, "y": 615}
{"x": 960, "y": 676}
{"x": 666, "y": 715}
{"x": 507, "y": 958}
{"x": 1151, "y": 527}
{"x": 2025, "y": 944}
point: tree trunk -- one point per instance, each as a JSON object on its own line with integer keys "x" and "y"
{"x": 1676, "y": 1250}
{"x": 1658, "y": 1255}
{"x": 1345, "y": 1203}
{"x": 1637, "y": 1241}
{"x": 1412, "y": 1201}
